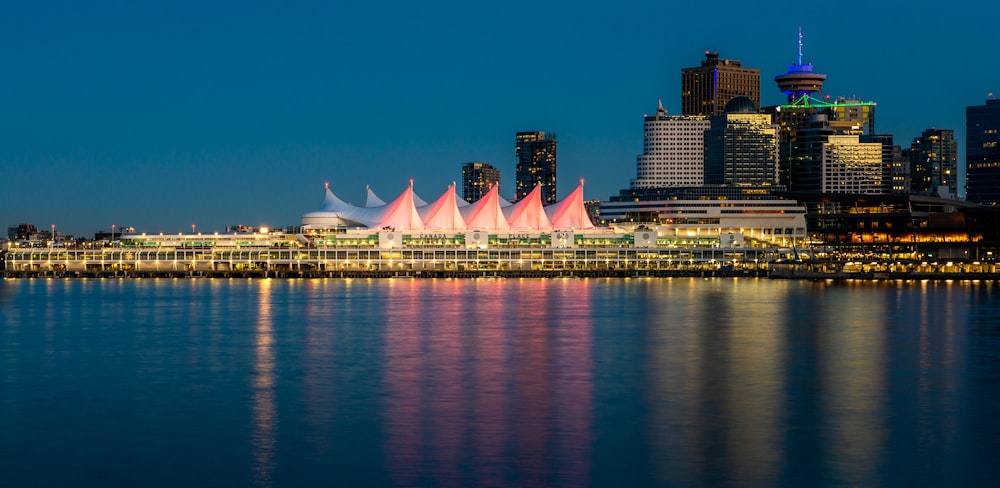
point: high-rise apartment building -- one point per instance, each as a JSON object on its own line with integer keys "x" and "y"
{"x": 934, "y": 163}
{"x": 982, "y": 152}
{"x": 673, "y": 151}
{"x": 536, "y": 165}
{"x": 741, "y": 146}
{"x": 477, "y": 179}
{"x": 706, "y": 89}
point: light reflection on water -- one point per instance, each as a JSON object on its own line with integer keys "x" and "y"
{"x": 264, "y": 404}
{"x": 484, "y": 395}
{"x": 640, "y": 382}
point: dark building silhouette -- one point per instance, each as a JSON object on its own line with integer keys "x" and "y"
{"x": 477, "y": 179}
{"x": 934, "y": 163}
{"x": 536, "y": 165}
{"x": 706, "y": 89}
{"x": 982, "y": 152}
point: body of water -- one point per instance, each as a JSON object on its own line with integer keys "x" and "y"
{"x": 506, "y": 382}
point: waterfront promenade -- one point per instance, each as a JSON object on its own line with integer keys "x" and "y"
{"x": 385, "y": 255}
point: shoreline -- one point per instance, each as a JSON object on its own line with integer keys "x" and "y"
{"x": 516, "y": 274}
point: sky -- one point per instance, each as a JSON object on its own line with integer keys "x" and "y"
{"x": 160, "y": 115}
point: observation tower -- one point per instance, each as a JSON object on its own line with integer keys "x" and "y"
{"x": 800, "y": 81}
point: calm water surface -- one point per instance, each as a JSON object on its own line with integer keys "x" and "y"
{"x": 659, "y": 382}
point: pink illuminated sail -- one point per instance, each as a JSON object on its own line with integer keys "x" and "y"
{"x": 443, "y": 213}
{"x": 570, "y": 213}
{"x": 485, "y": 213}
{"x": 528, "y": 214}
{"x": 401, "y": 213}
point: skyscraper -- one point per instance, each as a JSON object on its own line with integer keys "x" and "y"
{"x": 892, "y": 166}
{"x": 982, "y": 152}
{"x": 741, "y": 147}
{"x": 934, "y": 163}
{"x": 828, "y": 157}
{"x": 536, "y": 165}
{"x": 673, "y": 151}
{"x": 477, "y": 179}
{"x": 802, "y": 86}
{"x": 706, "y": 89}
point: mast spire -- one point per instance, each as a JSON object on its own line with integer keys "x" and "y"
{"x": 800, "y": 46}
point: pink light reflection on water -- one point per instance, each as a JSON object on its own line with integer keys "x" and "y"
{"x": 454, "y": 387}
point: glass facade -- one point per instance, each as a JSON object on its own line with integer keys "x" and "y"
{"x": 850, "y": 166}
{"x": 741, "y": 149}
{"x": 982, "y": 152}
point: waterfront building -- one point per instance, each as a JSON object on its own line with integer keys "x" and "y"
{"x": 934, "y": 163}
{"x": 477, "y": 179}
{"x": 710, "y": 210}
{"x": 402, "y": 238}
{"x": 451, "y": 213}
{"x": 706, "y": 89}
{"x": 536, "y": 165}
{"x": 982, "y": 152}
{"x": 673, "y": 151}
{"x": 741, "y": 146}
{"x": 900, "y": 227}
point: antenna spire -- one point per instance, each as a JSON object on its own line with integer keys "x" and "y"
{"x": 800, "y": 46}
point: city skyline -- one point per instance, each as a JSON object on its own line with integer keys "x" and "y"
{"x": 163, "y": 117}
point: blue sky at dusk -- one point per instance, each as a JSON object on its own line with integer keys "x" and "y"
{"x": 163, "y": 114}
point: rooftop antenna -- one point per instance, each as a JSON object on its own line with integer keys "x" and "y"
{"x": 800, "y": 45}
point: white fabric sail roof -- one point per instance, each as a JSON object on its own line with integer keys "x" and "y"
{"x": 372, "y": 200}
{"x": 570, "y": 212}
{"x": 528, "y": 213}
{"x": 461, "y": 202}
{"x": 337, "y": 212}
{"x": 451, "y": 212}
